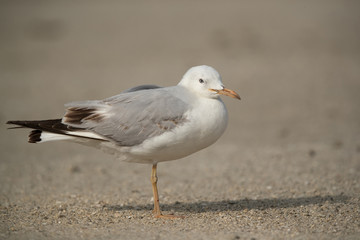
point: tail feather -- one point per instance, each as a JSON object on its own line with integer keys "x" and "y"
{"x": 53, "y": 129}
{"x": 51, "y": 125}
{"x": 35, "y": 136}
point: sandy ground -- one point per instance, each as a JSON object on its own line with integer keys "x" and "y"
{"x": 288, "y": 166}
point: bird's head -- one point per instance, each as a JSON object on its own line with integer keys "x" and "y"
{"x": 206, "y": 81}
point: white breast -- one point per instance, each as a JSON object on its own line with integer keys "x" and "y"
{"x": 207, "y": 121}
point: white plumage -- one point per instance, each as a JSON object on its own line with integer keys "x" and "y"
{"x": 146, "y": 124}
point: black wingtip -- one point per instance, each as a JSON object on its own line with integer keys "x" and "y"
{"x": 35, "y": 136}
{"x": 14, "y": 123}
{"x": 15, "y": 127}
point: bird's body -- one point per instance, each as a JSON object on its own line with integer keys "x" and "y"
{"x": 203, "y": 124}
{"x": 146, "y": 124}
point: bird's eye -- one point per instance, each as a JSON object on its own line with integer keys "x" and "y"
{"x": 201, "y": 81}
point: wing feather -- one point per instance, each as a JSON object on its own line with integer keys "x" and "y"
{"x": 129, "y": 118}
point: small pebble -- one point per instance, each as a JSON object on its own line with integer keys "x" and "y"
{"x": 312, "y": 153}
{"x": 75, "y": 169}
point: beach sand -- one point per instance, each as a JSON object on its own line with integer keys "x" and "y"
{"x": 288, "y": 166}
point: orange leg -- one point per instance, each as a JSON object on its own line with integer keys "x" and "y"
{"x": 157, "y": 211}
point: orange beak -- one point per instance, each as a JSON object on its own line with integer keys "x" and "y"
{"x": 226, "y": 92}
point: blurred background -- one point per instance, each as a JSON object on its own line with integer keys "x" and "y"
{"x": 296, "y": 65}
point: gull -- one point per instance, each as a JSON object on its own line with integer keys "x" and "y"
{"x": 145, "y": 124}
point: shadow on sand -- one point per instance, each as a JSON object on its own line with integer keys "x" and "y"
{"x": 236, "y": 205}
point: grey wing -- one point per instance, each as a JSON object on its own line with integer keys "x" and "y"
{"x": 133, "y": 89}
{"x": 141, "y": 87}
{"x": 129, "y": 118}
